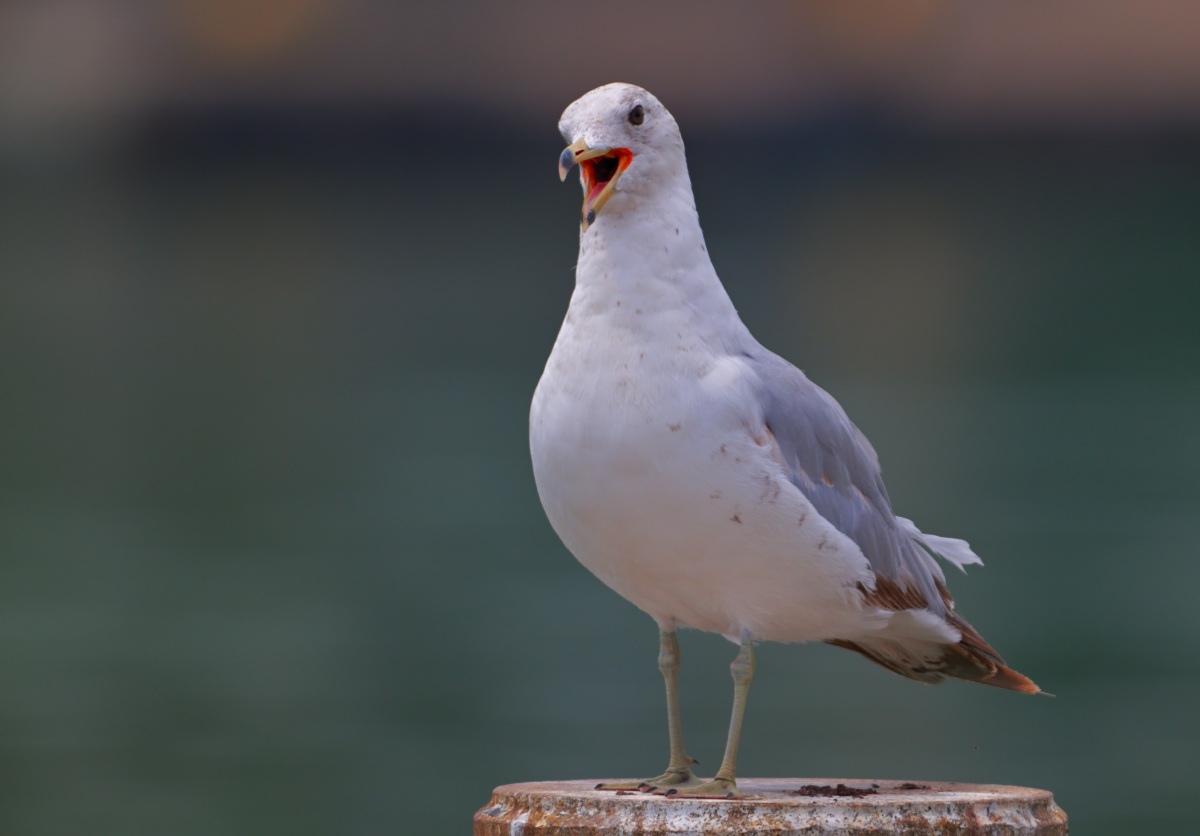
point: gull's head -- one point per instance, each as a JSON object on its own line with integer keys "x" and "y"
{"x": 619, "y": 133}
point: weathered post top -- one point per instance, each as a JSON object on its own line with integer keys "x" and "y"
{"x": 778, "y": 806}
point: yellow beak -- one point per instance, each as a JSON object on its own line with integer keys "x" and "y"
{"x": 600, "y": 169}
{"x": 576, "y": 152}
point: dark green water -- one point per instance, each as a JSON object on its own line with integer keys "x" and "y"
{"x": 272, "y": 556}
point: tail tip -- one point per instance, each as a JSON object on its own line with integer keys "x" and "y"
{"x": 1005, "y": 677}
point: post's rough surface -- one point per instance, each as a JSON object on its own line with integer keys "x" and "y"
{"x": 775, "y": 806}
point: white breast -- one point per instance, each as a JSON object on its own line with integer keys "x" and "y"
{"x": 656, "y": 471}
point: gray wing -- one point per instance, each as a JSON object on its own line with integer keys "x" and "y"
{"x": 837, "y": 469}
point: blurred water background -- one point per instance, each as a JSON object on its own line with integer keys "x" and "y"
{"x": 277, "y": 281}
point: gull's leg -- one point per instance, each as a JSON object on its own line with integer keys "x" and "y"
{"x": 724, "y": 785}
{"x": 679, "y": 772}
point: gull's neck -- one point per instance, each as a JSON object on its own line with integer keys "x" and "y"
{"x": 646, "y": 253}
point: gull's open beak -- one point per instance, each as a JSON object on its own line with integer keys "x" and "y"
{"x": 600, "y": 168}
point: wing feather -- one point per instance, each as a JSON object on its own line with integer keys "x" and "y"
{"x": 837, "y": 469}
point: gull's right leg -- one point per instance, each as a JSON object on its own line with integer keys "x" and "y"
{"x": 679, "y": 769}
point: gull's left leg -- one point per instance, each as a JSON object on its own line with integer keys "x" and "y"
{"x": 724, "y": 784}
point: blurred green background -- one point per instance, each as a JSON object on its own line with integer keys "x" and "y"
{"x": 277, "y": 280}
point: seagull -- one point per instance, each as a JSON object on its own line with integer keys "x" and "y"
{"x": 704, "y": 478}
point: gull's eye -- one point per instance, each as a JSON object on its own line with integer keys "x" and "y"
{"x": 637, "y": 115}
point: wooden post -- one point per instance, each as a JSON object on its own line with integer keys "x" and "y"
{"x": 778, "y": 806}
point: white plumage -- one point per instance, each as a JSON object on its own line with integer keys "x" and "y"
{"x": 697, "y": 474}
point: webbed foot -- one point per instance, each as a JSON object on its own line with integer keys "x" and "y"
{"x": 716, "y": 788}
{"x": 671, "y": 779}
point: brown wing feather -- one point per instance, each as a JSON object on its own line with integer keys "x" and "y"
{"x": 958, "y": 661}
{"x": 971, "y": 659}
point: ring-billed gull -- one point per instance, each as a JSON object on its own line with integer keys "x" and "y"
{"x": 704, "y": 478}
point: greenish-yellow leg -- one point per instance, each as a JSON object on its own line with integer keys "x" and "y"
{"x": 724, "y": 785}
{"x": 679, "y": 770}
